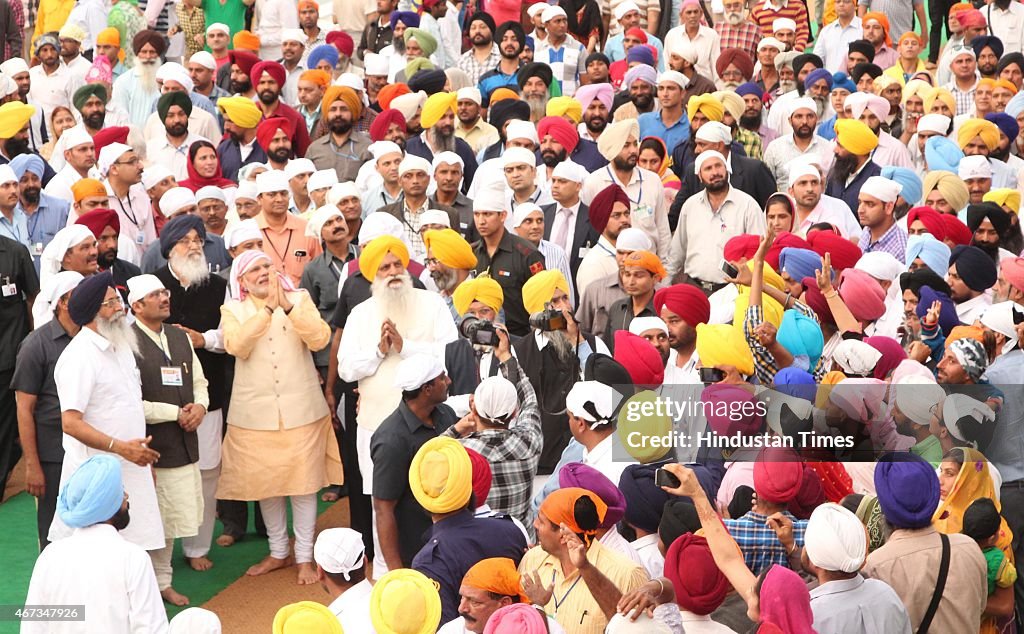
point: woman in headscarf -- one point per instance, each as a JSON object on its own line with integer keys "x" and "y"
{"x": 61, "y": 119}
{"x": 204, "y": 169}
{"x": 780, "y": 212}
{"x": 126, "y": 17}
{"x": 655, "y": 158}
{"x": 585, "y": 22}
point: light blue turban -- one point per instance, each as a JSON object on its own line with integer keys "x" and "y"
{"x": 799, "y": 263}
{"x": 93, "y": 493}
{"x": 1016, "y": 105}
{"x": 801, "y": 336}
{"x": 912, "y": 188}
{"x": 643, "y": 72}
{"x": 28, "y": 163}
{"x": 942, "y": 155}
{"x": 933, "y": 253}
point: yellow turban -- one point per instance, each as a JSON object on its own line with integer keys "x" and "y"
{"x": 346, "y": 94}
{"x": 374, "y": 252}
{"x": 306, "y": 617}
{"x": 984, "y": 128}
{"x": 771, "y": 309}
{"x": 1005, "y": 84}
{"x": 985, "y": 81}
{"x": 918, "y": 88}
{"x": 565, "y": 107}
{"x": 441, "y": 475}
{"x": 949, "y": 185}
{"x": 882, "y": 82}
{"x": 481, "y": 289}
{"x": 771, "y": 278}
{"x": 436, "y": 106}
{"x": 109, "y": 36}
{"x": 732, "y": 103}
{"x": 722, "y": 344}
{"x": 939, "y": 94}
{"x": 450, "y": 248}
{"x": 706, "y": 103}
{"x": 405, "y": 601}
{"x": 830, "y": 380}
{"x": 1004, "y": 197}
{"x": 538, "y": 289}
{"x": 14, "y": 116}
{"x": 247, "y": 41}
{"x": 86, "y": 187}
{"x": 855, "y": 137}
{"x": 241, "y": 111}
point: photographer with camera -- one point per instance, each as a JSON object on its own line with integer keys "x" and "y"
{"x": 553, "y": 356}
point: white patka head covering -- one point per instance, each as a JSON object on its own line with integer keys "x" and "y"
{"x": 917, "y": 398}
{"x": 380, "y": 223}
{"x": 959, "y": 406}
{"x": 339, "y": 551}
{"x": 416, "y": 370}
{"x": 322, "y": 179}
{"x": 592, "y": 401}
{"x": 856, "y": 357}
{"x": 142, "y": 285}
{"x": 175, "y": 199}
{"x": 53, "y": 254}
{"x": 1002, "y": 318}
{"x": 242, "y": 232}
{"x": 50, "y": 293}
{"x": 883, "y": 189}
{"x": 152, "y": 175}
{"x": 496, "y": 400}
{"x": 195, "y": 621}
{"x": 319, "y": 218}
{"x": 835, "y": 539}
{"x": 640, "y": 325}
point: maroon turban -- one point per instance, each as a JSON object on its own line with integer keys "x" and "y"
{"x": 640, "y": 358}
{"x": 892, "y": 355}
{"x": 268, "y": 128}
{"x": 151, "y": 37}
{"x": 273, "y": 69}
{"x": 601, "y": 206}
{"x": 341, "y": 41}
{"x": 244, "y": 60}
{"x": 686, "y": 301}
{"x": 931, "y": 219}
{"x": 956, "y": 231}
{"x": 810, "y": 496}
{"x": 738, "y": 58}
{"x": 844, "y": 253}
{"x": 99, "y": 219}
{"x": 560, "y": 130}
{"x": 699, "y": 584}
{"x": 783, "y": 240}
{"x": 482, "y": 476}
{"x": 817, "y": 301}
{"x": 577, "y": 474}
{"x": 741, "y": 247}
{"x": 778, "y": 475}
{"x": 106, "y": 136}
{"x": 724, "y": 399}
{"x": 862, "y": 294}
{"x": 381, "y": 123}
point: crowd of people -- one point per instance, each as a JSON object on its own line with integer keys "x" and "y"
{"x": 599, "y": 317}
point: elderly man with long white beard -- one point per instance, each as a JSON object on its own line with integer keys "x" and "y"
{"x": 396, "y": 322}
{"x": 101, "y": 405}
{"x": 279, "y": 443}
{"x": 134, "y": 92}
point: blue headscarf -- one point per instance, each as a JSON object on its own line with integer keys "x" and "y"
{"x": 93, "y": 493}
{"x": 907, "y": 489}
{"x": 942, "y": 154}
{"x": 912, "y": 187}
{"x": 28, "y": 163}
{"x": 801, "y": 336}
{"x": 933, "y": 253}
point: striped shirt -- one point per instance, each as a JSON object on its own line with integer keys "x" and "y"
{"x": 893, "y": 242}
{"x": 765, "y": 13}
{"x": 555, "y": 259}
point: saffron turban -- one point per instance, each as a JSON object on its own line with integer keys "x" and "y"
{"x": 952, "y": 188}
{"x": 930, "y": 218}
{"x": 971, "y": 128}
{"x": 345, "y": 94}
{"x": 485, "y": 290}
{"x": 99, "y": 219}
{"x": 94, "y": 492}
{"x": 844, "y": 254}
{"x": 382, "y": 123}
{"x": 614, "y": 137}
{"x": 14, "y": 116}
{"x": 85, "y": 302}
{"x": 881, "y": 19}
{"x": 974, "y": 267}
{"x": 855, "y": 137}
{"x": 319, "y": 77}
{"x": 565, "y": 107}
{"x": 168, "y": 99}
{"x": 736, "y": 57}
{"x": 405, "y": 601}
{"x": 1004, "y": 197}
{"x": 109, "y": 37}
{"x": 436, "y": 106}
{"x": 601, "y": 206}
{"x": 241, "y": 111}
{"x": 699, "y": 584}
{"x": 640, "y": 358}
{"x": 246, "y": 40}
{"x": 685, "y": 300}
{"x": 602, "y": 92}
{"x": 724, "y": 345}
{"x": 559, "y": 508}
{"x": 496, "y": 574}
{"x": 374, "y": 252}
{"x": 907, "y": 489}
{"x": 778, "y": 475}
{"x": 835, "y": 539}
{"x": 154, "y": 39}
{"x": 647, "y": 261}
{"x": 722, "y": 400}
{"x": 563, "y": 132}
{"x": 450, "y": 248}
{"x": 862, "y": 294}
{"x": 268, "y": 128}
{"x": 441, "y": 475}
{"x": 577, "y": 474}
{"x": 87, "y": 187}
{"x": 323, "y": 53}
{"x": 707, "y": 105}
{"x": 538, "y": 290}
{"x": 306, "y": 617}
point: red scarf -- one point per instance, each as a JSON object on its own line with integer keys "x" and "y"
{"x": 195, "y": 182}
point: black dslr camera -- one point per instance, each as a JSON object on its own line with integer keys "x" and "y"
{"x": 479, "y": 331}
{"x": 548, "y": 320}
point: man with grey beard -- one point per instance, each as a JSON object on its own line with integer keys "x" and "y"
{"x": 450, "y": 260}
{"x": 534, "y": 80}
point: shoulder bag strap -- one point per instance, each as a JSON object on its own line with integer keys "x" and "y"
{"x": 940, "y": 585}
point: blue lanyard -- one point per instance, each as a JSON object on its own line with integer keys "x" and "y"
{"x": 638, "y": 196}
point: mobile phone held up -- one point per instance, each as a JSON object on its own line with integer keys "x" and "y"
{"x": 711, "y": 375}
{"x": 664, "y": 478}
{"x": 729, "y": 270}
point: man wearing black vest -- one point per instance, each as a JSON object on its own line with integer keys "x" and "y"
{"x": 174, "y": 399}
{"x": 196, "y": 298}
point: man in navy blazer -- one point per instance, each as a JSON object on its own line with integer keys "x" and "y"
{"x": 566, "y": 183}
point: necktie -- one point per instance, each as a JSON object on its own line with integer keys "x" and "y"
{"x": 560, "y": 231}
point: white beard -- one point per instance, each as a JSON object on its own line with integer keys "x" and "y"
{"x": 560, "y": 340}
{"x": 394, "y": 303}
{"x": 117, "y": 331}
{"x": 734, "y": 19}
{"x": 147, "y": 76}
{"x": 191, "y": 270}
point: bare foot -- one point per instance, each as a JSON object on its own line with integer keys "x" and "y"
{"x": 307, "y": 574}
{"x": 330, "y": 495}
{"x": 225, "y": 541}
{"x": 199, "y": 563}
{"x": 173, "y": 597}
{"x": 268, "y": 564}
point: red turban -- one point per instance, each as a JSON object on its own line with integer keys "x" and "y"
{"x": 778, "y": 475}
{"x": 731, "y": 410}
{"x": 381, "y": 123}
{"x": 956, "y": 231}
{"x": 810, "y": 496}
{"x": 835, "y": 480}
{"x": 686, "y": 301}
{"x": 638, "y": 33}
{"x": 389, "y": 92}
{"x": 275, "y": 70}
{"x": 106, "y": 136}
{"x": 268, "y": 128}
{"x": 640, "y": 358}
{"x": 783, "y": 240}
{"x": 481, "y": 476}
{"x": 862, "y": 294}
{"x": 99, "y": 219}
{"x": 601, "y": 205}
{"x": 341, "y": 41}
{"x": 843, "y": 252}
{"x": 560, "y": 130}
{"x": 699, "y": 584}
{"x": 931, "y": 219}
{"x": 743, "y": 246}
{"x": 817, "y": 301}
{"x": 738, "y": 58}
{"x": 244, "y": 60}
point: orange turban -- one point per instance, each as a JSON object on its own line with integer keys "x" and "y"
{"x": 346, "y": 94}
{"x": 318, "y": 77}
{"x": 965, "y": 332}
{"x": 497, "y": 575}
{"x": 884, "y": 21}
{"x": 246, "y": 40}
{"x": 87, "y": 187}
{"x": 1007, "y": 84}
{"x": 559, "y": 508}
{"x": 109, "y": 36}
{"x": 389, "y": 92}
{"x": 646, "y": 260}
{"x": 502, "y": 93}
{"x": 306, "y": 4}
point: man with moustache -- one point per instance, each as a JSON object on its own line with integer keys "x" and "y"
{"x": 414, "y": 177}
{"x": 737, "y": 30}
{"x": 233, "y": 76}
{"x": 780, "y": 153}
{"x": 484, "y": 54}
{"x": 80, "y": 162}
{"x": 239, "y": 147}
{"x": 991, "y": 227}
{"x": 268, "y": 78}
{"x": 528, "y": 223}
{"x": 51, "y": 81}
{"x": 343, "y": 148}
{"x": 450, "y": 260}
{"x": 134, "y": 92}
{"x": 73, "y": 248}
{"x": 105, "y": 225}
{"x": 853, "y": 165}
{"x": 596, "y": 100}
{"x": 45, "y": 215}
{"x": 510, "y": 39}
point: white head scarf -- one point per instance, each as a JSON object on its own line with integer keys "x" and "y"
{"x": 53, "y": 254}
{"x": 50, "y": 292}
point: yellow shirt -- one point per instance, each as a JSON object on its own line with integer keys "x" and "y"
{"x": 896, "y": 71}
{"x": 572, "y": 604}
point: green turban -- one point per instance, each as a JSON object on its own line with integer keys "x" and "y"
{"x": 174, "y": 98}
{"x": 88, "y": 91}
{"x": 426, "y": 41}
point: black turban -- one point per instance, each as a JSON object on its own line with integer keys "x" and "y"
{"x": 88, "y": 295}
{"x": 151, "y": 37}
{"x": 914, "y": 280}
{"x": 999, "y": 218}
{"x": 803, "y": 59}
{"x": 982, "y": 42}
{"x": 534, "y": 69}
{"x": 644, "y": 499}
{"x": 506, "y": 110}
{"x": 863, "y": 47}
{"x": 517, "y": 30}
{"x": 604, "y": 369}
{"x": 177, "y": 228}
{"x": 429, "y": 81}
{"x": 974, "y": 267}
{"x": 678, "y": 517}
{"x": 486, "y": 19}
{"x": 862, "y": 69}
{"x": 88, "y": 91}
{"x": 173, "y": 98}
{"x": 1010, "y": 58}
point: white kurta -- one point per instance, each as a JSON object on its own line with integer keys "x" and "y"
{"x": 103, "y": 383}
{"x": 97, "y": 568}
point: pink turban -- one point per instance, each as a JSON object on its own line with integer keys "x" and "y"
{"x": 731, "y": 410}
{"x": 602, "y": 92}
{"x": 521, "y": 618}
{"x": 862, "y": 294}
{"x": 778, "y": 475}
{"x": 640, "y": 358}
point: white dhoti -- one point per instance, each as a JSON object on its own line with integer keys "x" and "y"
{"x": 210, "y": 434}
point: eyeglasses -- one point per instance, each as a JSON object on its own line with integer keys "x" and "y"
{"x": 160, "y": 293}
{"x": 112, "y": 302}
{"x": 187, "y": 242}
{"x": 131, "y": 161}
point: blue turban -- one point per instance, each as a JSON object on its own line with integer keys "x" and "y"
{"x": 750, "y": 88}
{"x": 1016, "y": 105}
{"x": 88, "y": 295}
{"x": 28, "y": 163}
{"x": 817, "y": 75}
{"x": 942, "y": 154}
{"x": 933, "y": 253}
{"x": 948, "y": 319}
{"x": 907, "y": 489}
{"x": 843, "y": 81}
{"x": 801, "y": 336}
{"x": 643, "y": 72}
{"x": 644, "y": 499}
{"x": 94, "y": 492}
{"x": 528, "y": 43}
{"x": 1006, "y": 124}
{"x": 408, "y": 18}
{"x": 987, "y": 41}
{"x": 177, "y": 228}
{"x": 795, "y": 382}
{"x": 974, "y": 267}
{"x": 912, "y": 187}
{"x": 640, "y": 54}
{"x": 799, "y": 263}
{"x": 323, "y": 52}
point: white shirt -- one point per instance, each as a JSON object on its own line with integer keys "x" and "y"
{"x": 973, "y": 309}
{"x": 91, "y": 15}
{"x": 274, "y": 16}
{"x": 601, "y": 458}
{"x": 555, "y": 259}
{"x": 890, "y": 152}
{"x": 598, "y": 264}
{"x": 96, "y": 567}
{"x": 159, "y": 150}
{"x": 50, "y": 91}
{"x": 835, "y": 212}
{"x": 353, "y": 608}
{"x": 707, "y": 43}
{"x": 566, "y": 216}
{"x": 651, "y": 558}
{"x": 833, "y": 43}
{"x": 697, "y": 624}
{"x": 201, "y": 123}
{"x": 648, "y": 209}
{"x": 60, "y": 185}
{"x": 699, "y": 243}
{"x": 135, "y": 213}
{"x": 614, "y": 540}
{"x": 782, "y": 151}
{"x": 1007, "y": 25}
{"x": 687, "y": 374}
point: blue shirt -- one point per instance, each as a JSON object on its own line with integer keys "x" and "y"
{"x": 760, "y": 545}
{"x": 614, "y": 50}
{"x": 49, "y": 217}
{"x": 495, "y": 79}
{"x": 652, "y": 125}
{"x": 16, "y": 228}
